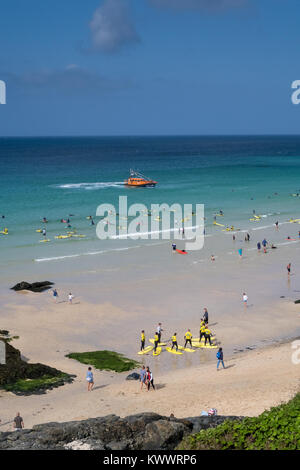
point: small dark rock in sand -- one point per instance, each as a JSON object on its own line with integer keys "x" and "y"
{"x": 133, "y": 376}
{"x": 33, "y": 287}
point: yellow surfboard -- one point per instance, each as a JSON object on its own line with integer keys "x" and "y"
{"x": 173, "y": 351}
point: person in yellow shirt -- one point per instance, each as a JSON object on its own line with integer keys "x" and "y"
{"x": 174, "y": 341}
{"x": 207, "y": 335}
{"x": 143, "y": 339}
{"x": 202, "y": 328}
{"x": 188, "y": 338}
{"x": 156, "y": 341}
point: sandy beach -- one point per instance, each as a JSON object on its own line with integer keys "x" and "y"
{"x": 115, "y": 299}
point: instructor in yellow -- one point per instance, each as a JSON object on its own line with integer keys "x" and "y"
{"x": 188, "y": 338}
{"x": 207, "y": 335}
{"x": 156, "y": 341}
{"x": 143, "y": 339}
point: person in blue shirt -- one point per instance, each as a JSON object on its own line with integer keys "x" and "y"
{"x": 90, "y": 379}
{"x": 220, "y": 358}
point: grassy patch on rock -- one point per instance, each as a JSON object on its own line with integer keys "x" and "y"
{"x": 105, "y": 360}
{"x": 45, "y": 382}
{"x": 276, "y": 429}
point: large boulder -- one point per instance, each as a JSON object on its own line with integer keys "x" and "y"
{"x": 34, "y": 286}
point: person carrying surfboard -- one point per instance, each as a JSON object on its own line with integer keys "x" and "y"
{"x": 174, "y": 341}
{"x": 143, "y": 338}
{"x": 188, "y": 338}
{"x": 207, "y": 335}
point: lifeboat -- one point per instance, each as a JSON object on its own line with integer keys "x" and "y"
{"x": 137, "y": 180}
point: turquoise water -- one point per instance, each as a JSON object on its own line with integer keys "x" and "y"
{"x": 56, "y": 177}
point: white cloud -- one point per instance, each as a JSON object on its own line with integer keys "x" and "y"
{"x": 111, "y": 26}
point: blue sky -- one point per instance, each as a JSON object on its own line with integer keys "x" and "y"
{"x": 139, "y": 67}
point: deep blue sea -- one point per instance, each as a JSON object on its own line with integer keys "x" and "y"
{"x": 57, "y": 177}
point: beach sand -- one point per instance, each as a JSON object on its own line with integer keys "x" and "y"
{"x": 119, "y": 294}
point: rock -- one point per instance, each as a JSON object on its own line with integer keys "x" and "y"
{"x": 33, "y": 287}
{"x": 297, "y": 301}
{"x": 146, "y": 431}
{"x": 133, "y": 376}
{"x": 16, "y": 368}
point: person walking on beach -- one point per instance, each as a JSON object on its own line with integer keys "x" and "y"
{"x": 90, "y": 379}
{"x": 288, "y": 269}
{"x": 240, "y": 253}
{"x": 18, "y": 422}
{"x": 143, "y": 339}
{"x": 220, "y": 358}
{"x": 55, "y": 295}
{"x": 174, "y": 341}
{"x": 188, "y": 338}
{"x": 258, "y": 246}
{"x": 264, "y": 243}
{"x": 245, "y": 299}
{"x": 143, "y": 377}
{"x": 71, "y": 296}
{"x": 149, "y": 379}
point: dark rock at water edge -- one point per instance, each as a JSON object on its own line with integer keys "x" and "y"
{"x": 146, "y": 431}
{"x": 34, "y": 286}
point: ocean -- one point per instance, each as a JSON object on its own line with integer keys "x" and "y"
{"x": 61, "y": 178}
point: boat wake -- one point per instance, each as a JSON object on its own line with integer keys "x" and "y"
{"x": 91, "y": 186}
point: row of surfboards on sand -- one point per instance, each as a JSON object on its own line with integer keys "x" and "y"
{"x": 195, "y": 343}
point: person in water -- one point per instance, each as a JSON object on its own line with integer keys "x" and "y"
{"x": 188, "y": 338}
{"x": 174, "y": 341}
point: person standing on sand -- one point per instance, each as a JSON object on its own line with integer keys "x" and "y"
{"x": 202, "y": 329}
{"x": 205, "y": 315}
{"x": 156, "y": 341}
{"x": 245, "y": 299}
{"x": 70, "y": 298}
{"x": 90, "y": 379}
{"x": 143, "y": 338}
{"x": 174, "y": 341}
{"x": 288, "y": 269}
{"x": 188, "y": 338}
{"x": 207, "y": 335}
{"x": 18, "y": 422}
{"x": 158, "y": 331}
{"x": 220, "y": 358}
{"x": 143, "y": 377}
{"x": 258, "y": 246}
{"x": 149, "y": 379}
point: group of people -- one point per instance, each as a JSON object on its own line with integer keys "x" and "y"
{"x": 55, "y": 295}
{"x": 146, "y": 378}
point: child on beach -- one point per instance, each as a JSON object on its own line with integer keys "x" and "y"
{"x": 288, "y": 269}
{"x": 245, "y": 299}
{"x": 55, "y": 295}
{"x": 70, "y": 298}
{"x": 90, "y": 379}
{"x": 174, "y": 341}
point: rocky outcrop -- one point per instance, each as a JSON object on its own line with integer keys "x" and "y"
{"x": 16, "y": 368}
{"x": 34, "y": 286}
{"x": 147, "y": 431}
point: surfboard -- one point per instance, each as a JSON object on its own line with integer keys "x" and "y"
{"x": 182, "y": 348}
{"x": 157, "y": 353}
{"x": 181, "y": 252}
{"x": 146, "y": 350}
{"x": 151, "y": 340}
{"x": 173, "y": 351}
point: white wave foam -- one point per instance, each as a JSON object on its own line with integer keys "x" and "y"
{"x": 91, "y": 186}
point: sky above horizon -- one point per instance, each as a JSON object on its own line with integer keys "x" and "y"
{"x": 149, "y": 67}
